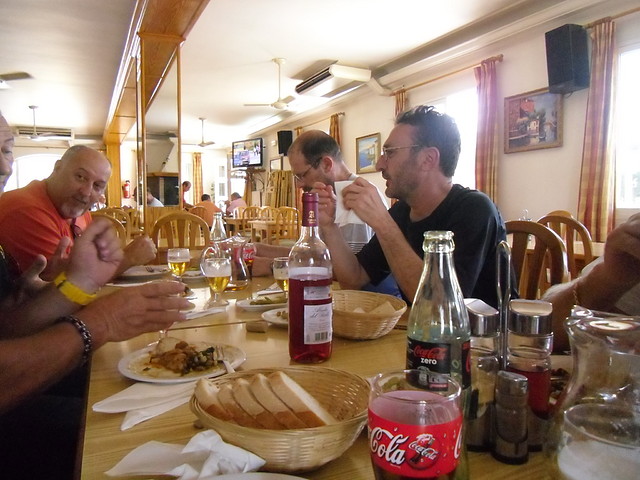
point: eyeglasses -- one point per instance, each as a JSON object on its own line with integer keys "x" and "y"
{"x": 389, "y": 151}
{"x": 300, "y": 177}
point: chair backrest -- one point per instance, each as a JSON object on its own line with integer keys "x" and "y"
{"x": 564, "y": 213}
{"x": 287, "y": 224}
{"x": 200, "y": 212}
{"x": 133, "y": 220}
{"x": 538, "y": 256}
{"x": 179, "y": 229}
{"x": 571, "y": 230}
{"x": 121, "y": 231}
{"x": 153, "y": 214}
{"x": 268, "y": 213}
{"x": 247, "y": 214}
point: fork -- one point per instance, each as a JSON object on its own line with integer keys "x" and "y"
{"x": 224, "y": 361}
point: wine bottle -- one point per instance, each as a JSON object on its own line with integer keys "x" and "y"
{"x": 310, "y": 276}
{"x": 438, "y": 332}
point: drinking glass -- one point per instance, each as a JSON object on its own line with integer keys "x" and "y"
{"x": 215, "y": 264}
{"x": 414, "y": 432}
{"x": 281, "y": 273}
{"x": 178, "y": 260}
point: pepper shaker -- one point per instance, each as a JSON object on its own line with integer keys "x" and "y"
{"x": 511, "y": 418}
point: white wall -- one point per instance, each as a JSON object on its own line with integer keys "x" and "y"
{"x": 537, "y": 180}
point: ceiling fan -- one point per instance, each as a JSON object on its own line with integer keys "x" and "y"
{"x": 8, "y": 77}
{"x": 40, "y": 136}
{"x": 202, "y": 143}
{"x": 280, "y": 103}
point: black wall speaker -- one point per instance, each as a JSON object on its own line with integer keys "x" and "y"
{"x": 285, "y": 138}
{"x": 567, "y": 58}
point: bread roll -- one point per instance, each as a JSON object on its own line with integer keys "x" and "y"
{"x": 262, "y": 391}
{"x": 305, "y": 406}
{"x": 207, "y": 396}
{"x": 245, "y": 398}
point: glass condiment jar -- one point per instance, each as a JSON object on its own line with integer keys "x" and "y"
{"x": 595, "y": 431}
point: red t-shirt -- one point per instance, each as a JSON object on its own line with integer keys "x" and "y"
{"x": 31, "y": 225}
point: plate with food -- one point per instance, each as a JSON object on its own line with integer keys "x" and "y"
{"x": 277, "y": 316}
{"x": 172, "y": 360}
{"x": 262, "y": 303}
{"x": 144, "y": 272}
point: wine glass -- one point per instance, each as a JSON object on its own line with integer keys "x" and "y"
{"x": 215, "y": 264}
{"x": 249, "y": 252}
{"x": 178, "y": 260}
{"x": 281, "y": 273}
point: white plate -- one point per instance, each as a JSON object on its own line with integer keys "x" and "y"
{"x": 273, "y": 318}
{"x": 141, "y": 272}
{"x": 246, "y": 305}
{"x": 258, "y": 476}
{"x": 192, "y": 276}
{"x": 126, "y": 365}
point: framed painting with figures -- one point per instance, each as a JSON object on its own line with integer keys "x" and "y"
{"x": 532, "y": 120}
{"x": 368, "y": 152}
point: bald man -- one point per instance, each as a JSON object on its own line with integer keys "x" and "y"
{"x": 34, "y": 219}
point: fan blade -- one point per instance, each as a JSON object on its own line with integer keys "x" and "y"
{"x": 205, "y": 144}
{"x": 288, "y": 100}
{"x": 257, "y": 104}
{"x": 15, "y": 76}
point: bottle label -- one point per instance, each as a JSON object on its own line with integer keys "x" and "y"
{"x": 437, "y": 359}
{"x": 415, "y": 451}
{"x": 317, "y": 323}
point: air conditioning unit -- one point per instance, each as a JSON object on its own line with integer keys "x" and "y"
{"x": 333, "y": 80}
{"x": 44, "y": 133}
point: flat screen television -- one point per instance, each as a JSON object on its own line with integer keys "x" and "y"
{"x": 247, "y": 153}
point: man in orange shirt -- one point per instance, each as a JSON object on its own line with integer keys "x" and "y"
{"x": 209, "y": 206}
{"x": 34, "y": 219}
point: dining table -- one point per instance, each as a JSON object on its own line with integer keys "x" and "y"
{"x": 103, "y": 444}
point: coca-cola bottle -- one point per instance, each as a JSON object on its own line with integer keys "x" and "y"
{"x": 438, "y": 333}
{"x": 310, "y": 276}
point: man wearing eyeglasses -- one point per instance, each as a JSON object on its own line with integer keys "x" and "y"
{"x": 418, "y": 162}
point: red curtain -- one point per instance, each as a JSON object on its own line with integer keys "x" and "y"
{"x": 334, "y": 128}
{"x": 401, "y": 101}
{"x": 487, "y": 140}
{"x": 596, "y": 201}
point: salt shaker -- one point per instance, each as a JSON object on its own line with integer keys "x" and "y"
{"x": 529, "y": 346}
{"x": 484, "y": 323}
{"x": 511, "y": 418}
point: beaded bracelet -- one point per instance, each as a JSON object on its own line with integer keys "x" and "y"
{"x": 72, "y": 291}
{"x": 84, "y": 333}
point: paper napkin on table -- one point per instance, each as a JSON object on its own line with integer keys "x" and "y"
{"x": 204, "y": 311}
{"x": 271, "y": 289}
{"x": 203, "y": 458}
{"x": 143, "y": 401}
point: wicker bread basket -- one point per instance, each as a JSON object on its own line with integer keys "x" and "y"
{"x": 364, "y": 326}
{"x": 343, "y": 394}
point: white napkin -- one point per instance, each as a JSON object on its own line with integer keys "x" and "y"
{"x": 204, "y": 311}
{"x": 203, "y": 458}
{"x": 344, "y": 216}
{"x": 271, "y": 289}
{"x": 143, "y": 401}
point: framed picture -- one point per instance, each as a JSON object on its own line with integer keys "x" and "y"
{"x": 368, "y": 152}
{"x": 532, "y": 120}
{"x": 275, "y": 163}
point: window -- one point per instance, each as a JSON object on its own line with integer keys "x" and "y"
{"x": 463, "y": 107}
{"x": 627, "y": 140}
{"x": 31, "y": 167}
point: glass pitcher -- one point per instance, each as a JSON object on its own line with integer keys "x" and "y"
{"x": 598, "y": 412}
{"x": 239, "y": 271}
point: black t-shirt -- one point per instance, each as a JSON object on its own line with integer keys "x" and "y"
{"x": 477, "y": 227}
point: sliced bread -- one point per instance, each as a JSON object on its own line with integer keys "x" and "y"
{"x": 207, "y": 395}
{"x": 246, "y": 399}
{"x": 303, "y": 404}
{"x": 240, "y": 416}
{"x": 262, "y": 391}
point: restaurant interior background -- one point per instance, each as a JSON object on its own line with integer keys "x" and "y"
{"x": 537, "y": 180}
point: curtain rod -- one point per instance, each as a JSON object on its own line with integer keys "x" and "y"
{"x": 613, "y": 17}
{"x": 321, "y": 120}
{"x": 497, "y": 58}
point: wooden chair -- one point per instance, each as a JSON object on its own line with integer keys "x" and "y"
{"x": 571, "y": 231}
{"x": 134, "y": 221}
{"x": 120, "y": 215}
{"x": 121, "y": 231}
{"x": 287, "y": 226}
{"x": 564, "y": 213}
{"x": 179, "y": 230}
{"x": 538, "y": 263}
{"x": 200, "y": 212}
{"x": 268, "y": 213}
{"x": 248, "y": 214}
